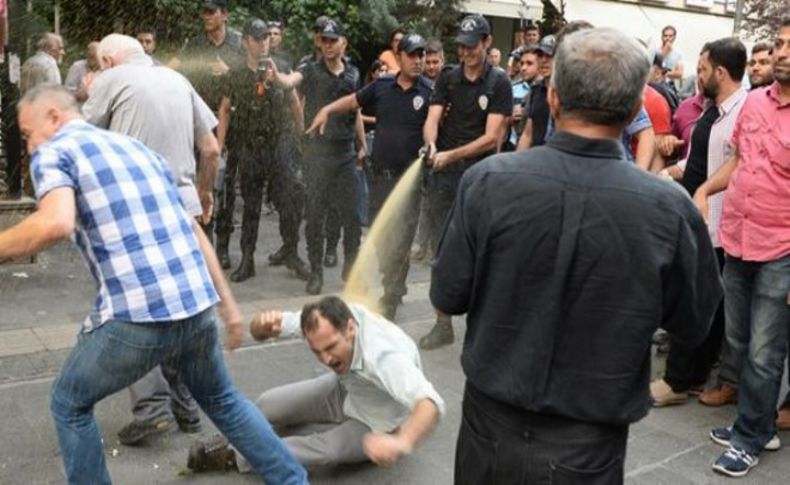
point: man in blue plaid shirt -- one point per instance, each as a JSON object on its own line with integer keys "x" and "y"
{"x": 158, "y": 282}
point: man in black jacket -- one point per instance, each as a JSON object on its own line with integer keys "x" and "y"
{"x": 566, "y": 260}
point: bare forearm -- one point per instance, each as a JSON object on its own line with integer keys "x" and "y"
{"x": 646, "y": 149}
{"x": 342, "y": 105}
{"x": 33, "y": 235}
{"x": 420, "y": 424}
{"x": 526, "y": 136}
{"x": 721, "y": 179}
{"x": 361, "y": 132}
{"x": 209, "y": 163}
{"x": 214, "y": 269}
{"x": 288, "y": 81}
{"x": 222, "y": 126}
{"x": 484, "y": 144}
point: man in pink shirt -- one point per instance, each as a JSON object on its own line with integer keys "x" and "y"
{"x": 755, "y": 234}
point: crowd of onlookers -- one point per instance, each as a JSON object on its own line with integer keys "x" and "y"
{"x": 229, "y": 113}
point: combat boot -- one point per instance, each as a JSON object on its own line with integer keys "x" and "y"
{"x": 222, "y": 251}
{"x": 295, "y": 264}
{"x": 440, "y": 335}
{"x": 246, "y": 269}
{"x": 278, "y": 258}
{"x": 315, "y": 282}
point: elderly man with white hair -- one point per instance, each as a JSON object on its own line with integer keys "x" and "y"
{"x": 42, "y": 67}
{"x": 159, "y": 107}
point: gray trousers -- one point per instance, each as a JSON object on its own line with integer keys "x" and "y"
{"x": 304, "y": 404}
{"x": 162, "y": 393}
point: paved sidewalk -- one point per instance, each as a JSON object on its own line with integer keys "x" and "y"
{"x": 40, "y": 317}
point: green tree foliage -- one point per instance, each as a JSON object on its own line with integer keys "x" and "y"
{"x": 367, "y": 22}
{"x": 763, "y": 17}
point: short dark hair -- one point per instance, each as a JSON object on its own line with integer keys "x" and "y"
{"x": 571, "y": 27}
{"x": 670, "y": 27}
{"x": 396, "y": 32}
{"x": 785, "y": 22}
{"x": 332, "y": 308}
{"x": 729, "y": 53}
{"x": 434, "y": 46}
{"x": 147, "y": 30}
{"x": 531, "y": 26}
{"x": 762, "y": 47}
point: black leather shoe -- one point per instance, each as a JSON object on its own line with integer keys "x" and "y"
{"x": 330, "y": 260}
{"x": 134, "y": 432}
{"x": 295, "y": 264}
{"x": 315, "y": 283}
{"x": 245, "y": 271}
{"x": 278, "y": 258}
{"x": 440, "y": 335}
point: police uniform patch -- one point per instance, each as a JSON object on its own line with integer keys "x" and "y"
{"x": 417, "y": 102}
{"x": 483, "y": 102}
{"x": 468, "y": 25}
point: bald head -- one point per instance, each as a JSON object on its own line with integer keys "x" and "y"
{"x": 116, "y": 49}
{"x": 43, "y": 110}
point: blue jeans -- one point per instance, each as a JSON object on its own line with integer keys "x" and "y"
{"x": 757, "y": 319}
{"x": 117, "y": 354}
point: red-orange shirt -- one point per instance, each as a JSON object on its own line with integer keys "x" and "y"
{"x": 755, "y": 224}
{"x": 658, "y": 110}
{"x": 388, "y": 57}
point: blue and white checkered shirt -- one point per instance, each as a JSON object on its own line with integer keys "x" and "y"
{"x": 132, "y": 229}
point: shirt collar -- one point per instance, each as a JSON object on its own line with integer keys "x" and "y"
{"x": 398, "y": 86}
{"x": 479, "y": 79}
{"x": 586, "y": 147}
{"x": 356, "y": 357}
{"x": 341, "y": 73}
{"x": 772, "y": 92}
{"x": 733, "y": 101}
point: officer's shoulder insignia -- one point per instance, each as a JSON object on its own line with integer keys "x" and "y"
{"x": 483, "y": 102}
{"x": 418, "y": 101}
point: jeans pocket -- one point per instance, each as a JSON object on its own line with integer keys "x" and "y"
{"x": 476, "y": 457}
{"x": 609, "y": 474}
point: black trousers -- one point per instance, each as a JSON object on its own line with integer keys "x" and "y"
{"x": 12, "y": 140}
{"x": 259, "y": 169}
{"x": 502, "y": 445}
{"x": 441, "y": 188}
{"x": 686, "y": 367}
{"x": 395, "y": 248}
{"x": 331, "y": 186}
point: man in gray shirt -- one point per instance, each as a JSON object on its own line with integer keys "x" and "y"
{"x": 42, "y": 67}
{"x": 379, "y": 401}
{"x": 159, "y": 107}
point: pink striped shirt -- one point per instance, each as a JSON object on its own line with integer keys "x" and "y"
{"x": 755, "y": 224}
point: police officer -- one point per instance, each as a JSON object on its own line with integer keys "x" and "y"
{"x": 329, "y": 159}
{"x": 400, "y": 106}
{"x": 251, "y": 123}
{"x": 473, "y": 102}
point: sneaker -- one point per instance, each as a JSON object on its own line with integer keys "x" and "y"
{"x": 722, "y": 436}
{"x": 720, "y": 395}
{"x": 212, "y": 454}
{"x": 134, "y": 432}
{"x": 783, "y": 416}
{"x": 735, "y": 462}
{"x": 663, "y": 395}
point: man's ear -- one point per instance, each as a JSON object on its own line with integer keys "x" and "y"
{"x": 554, "y": 102}
{"x": 351, "y": 328}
